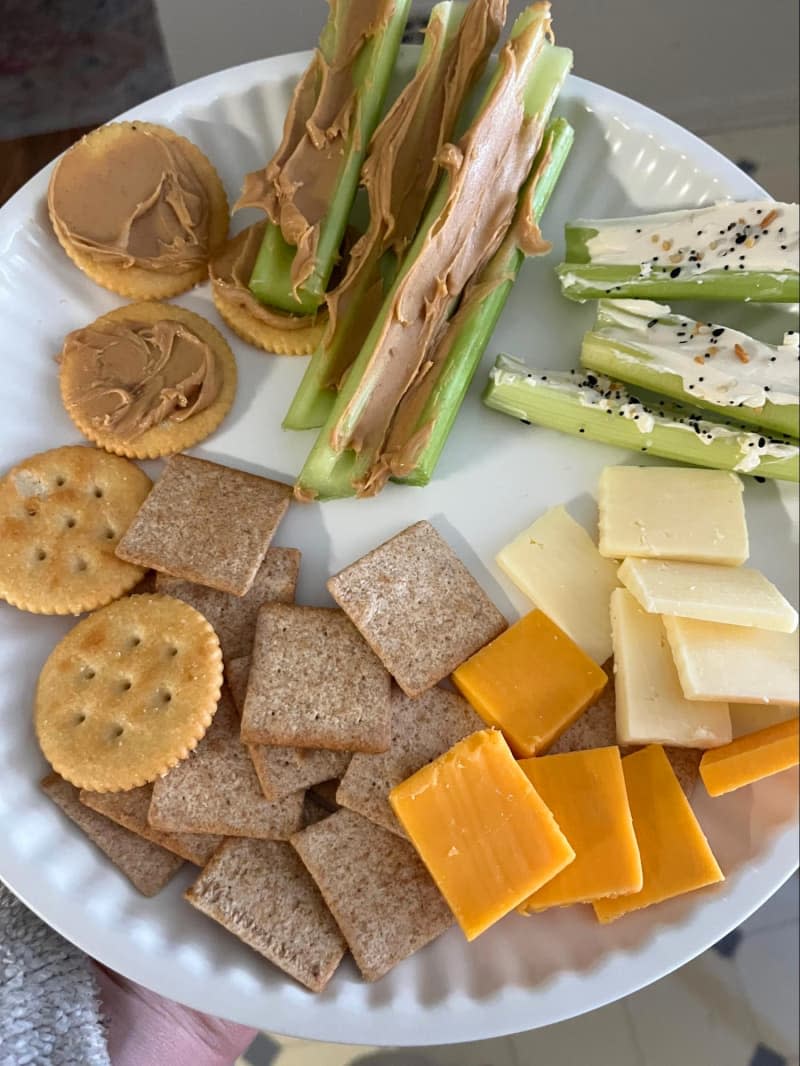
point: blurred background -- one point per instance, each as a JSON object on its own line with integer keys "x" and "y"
{"x": 727, "y": 70}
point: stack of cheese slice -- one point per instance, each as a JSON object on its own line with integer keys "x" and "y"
{"x": 705, "y": 656}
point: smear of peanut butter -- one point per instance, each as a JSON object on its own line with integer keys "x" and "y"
{"x": 401, "y": 168}
{"x": 132, "y": 199}
{"x": 486, "y": 170}
{"x": 296, "y": 187}
{"x": 127, "y": 377}
{"x": 230, "y": 271}
{"x": 407, "y": 438}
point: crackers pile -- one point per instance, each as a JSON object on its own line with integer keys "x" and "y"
{"x": 275, "y": 781}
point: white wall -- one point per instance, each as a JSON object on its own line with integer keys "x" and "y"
{"x": 709, "y": 64}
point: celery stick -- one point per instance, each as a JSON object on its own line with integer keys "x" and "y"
{"x": 316, "y": 393}
{"x": 712, "y": 367}
{"x": 332, "y": 469}
{"x": 469, "y": 332}
{"x": 728, "y": 251}
{"x": 271, "y": 280}
{"x": 602, "y": 410}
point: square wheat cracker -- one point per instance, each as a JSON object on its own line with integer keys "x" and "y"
{"x": 314, "y": 683}
{"x": 417, "y": 606}
{"x": 130, "y": 809}
{"x": 260, "y": 891}
{"x": 234, "y": 617}
{"x": 422, "y": 729}
{"x": 206, "y": 523}
{"x": 382, "y": 897}
{"x": 146, "y": 865}
{"x": 282, "y": 770}
{"x": 216, "y": 790}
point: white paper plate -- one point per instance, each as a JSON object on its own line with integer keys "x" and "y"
{"x": 495, "y": 477}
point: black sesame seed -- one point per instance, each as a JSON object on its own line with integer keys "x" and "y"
{"x": 773, "y": 358}
{"x": 718, "y": 331}
{"x": 760, "y": 480}
{"x": 699, "y": 233}
{"x": 759, "y": 211}
{"x": 581, "y": 430}
{"x": 740, "y": 238}
{"x": 783, "y": 247}
{"x": 731, "y": 226}
{"x": 701, "y": 379}
{"x": 525, "y": 421}
{"x": 726, "y": 267}
{"x": 652, "y": 322}
{"x": 766, "y": 388}
{"x": 675, "y": 272}
{"x": 762, "y": 442}
{"x": 741, "y": 257}
{"x": 544, "y": 377}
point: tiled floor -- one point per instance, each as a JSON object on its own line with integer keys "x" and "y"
{"x": 736, "y": 1005}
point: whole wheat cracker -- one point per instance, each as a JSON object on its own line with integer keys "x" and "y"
{"x": 314, "y": 683}
{"x": 234, "y": 617}
{"x": 417, "y": 606}
{"x": 377, "y": 888}
{"x": 146, "y": 865}
{"x": 422, "y": 729}
{"x": 217, "y": 791}
{"x": 283, "y": 770}
{"x": 206, "y": 523}
{"x": 62, "y": 513}
{"x": 597, "y": 728}
{"x": 129, "y": 809}
{"x": 260, "y": 891}
{"x": 128, "y": 693}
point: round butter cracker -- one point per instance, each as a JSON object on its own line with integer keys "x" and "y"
{"x": 62, "y": 514}
{"x": 128, "y": 693}
{"x": 135, "y": 282}
{"x": 169, "y": 436}
{"x": 303, "y": 341}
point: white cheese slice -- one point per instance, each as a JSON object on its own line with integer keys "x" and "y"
{"x": 734, "y": 663}
{"x": 732, "y": 594}
{"x": 750, "y": 717}
{"x": 672, "y": 513}
{"x": 651, "y": 707}
{"x": 556, "y": 564}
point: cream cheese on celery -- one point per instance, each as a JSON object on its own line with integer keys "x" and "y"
{"x": 715, "y": 363}
{"x": 596, "y": 391}
{"x": 756, "y": 235}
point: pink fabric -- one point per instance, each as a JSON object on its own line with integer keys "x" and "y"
{"x": 145, "y": 1028}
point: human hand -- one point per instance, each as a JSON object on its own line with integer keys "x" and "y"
{"x": 145, "y": 1029}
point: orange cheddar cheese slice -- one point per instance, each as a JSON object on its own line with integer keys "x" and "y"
{"x": 585, "y": 790}
{"x": 750, "y": 758}
{"x": 532, "y": 682}
{"x": 676, "y": 857}
{"x": 481, "y": 828}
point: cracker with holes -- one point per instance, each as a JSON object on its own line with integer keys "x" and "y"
{"x": 260, "y": 891}
{"x": 146, "y": 865}
{"x": 206, "y": 523}
{"x": 314, "y": 683}
{"x": 216, "y": 790}
{"x": 128, "y": 693}
{"x": 422, "y": 729}
{"x": 417, "y": 606}
{"x": 62, "y": 513}
{"x": 234, "y": 617}
{"x": 283, "y": 770}
{"x": 382, "y": 897}
{"x": 130, "y": 808}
